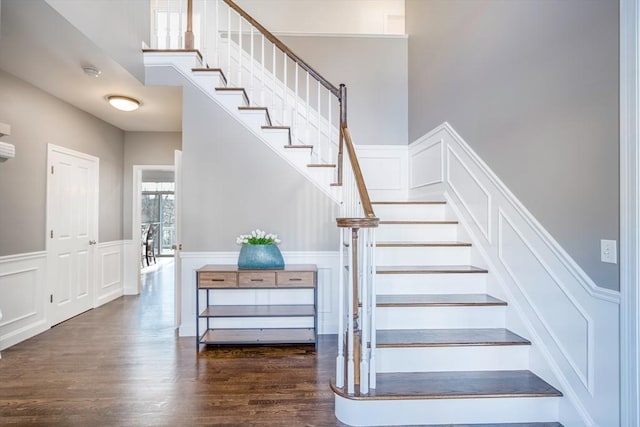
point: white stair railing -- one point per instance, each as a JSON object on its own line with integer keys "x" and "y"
{"x": 315, "y": 110}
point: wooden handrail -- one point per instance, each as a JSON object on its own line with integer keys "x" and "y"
{"x": 284, "y": 48}
{"x": 357, "y": 172}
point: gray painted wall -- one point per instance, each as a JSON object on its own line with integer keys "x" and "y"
{"x": 233, "y": 183}
{"x": 532, "y": 86}
{"x": 36, "y": 119}
{"x": 118, "y": 27}
{"x": 375, "y": 72}
{"x": 144, "y": 148}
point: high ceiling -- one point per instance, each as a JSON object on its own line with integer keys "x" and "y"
{"x": 40, "y": 47}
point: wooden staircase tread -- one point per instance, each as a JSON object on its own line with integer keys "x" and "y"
{"x": 390, "y": 338}
{"x": 259, "y": 336}
{"x": 455, "y": 385}
{"x": 429, "y": 269}
{"x": 411, "y": 202}
{"x": 399, "y": 244}
{"x": 439, "y": 300}
{"x": 245, "y": 97}
{"x": 417, "y": 222}
{"x": 276, "y": 127}
{"x": 299, "y": 146}
{"x": 321, "y": 165}
{"x": 216, "y": 70}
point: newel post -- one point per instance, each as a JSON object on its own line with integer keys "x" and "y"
{"x": 189, "y": 43}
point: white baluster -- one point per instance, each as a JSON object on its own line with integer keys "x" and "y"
{"x": 294, "y": 121}
{"x": 262, "y": 82}
{"x": 239, "y": 50}
{"x": 374, "y": 292}
{"x": 156, "y": 30}
{"x": 217, "y": 33}
{"x": 341, "y": 331}
{"x": 180, "y": 41}
{"x": 319, "y": 98}
{"x": 203, "y": 44}
{"x": 329, "y": 127}
{"x": 350, "y": 347}
{"x": 273, "y": 79}
{"x": 168, "y": 25}
{"x": 229, "y": 71}
{"x": 251, "y": 61}
{"x": 307, "y": 133}
{"x": 284, "y": 88}
{"x": 364, "y": 313}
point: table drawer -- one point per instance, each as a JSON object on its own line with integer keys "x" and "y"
{"x": 217, "y": 280}
{"x": 296, "y": 279}
{"x": 257, "y": 279}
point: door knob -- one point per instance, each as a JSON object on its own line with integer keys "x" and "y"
{"x": 92, "y": 242}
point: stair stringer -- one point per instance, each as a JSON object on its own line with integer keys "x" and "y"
{"x": 319, "y": 178}
{"x": 522, "y": 259}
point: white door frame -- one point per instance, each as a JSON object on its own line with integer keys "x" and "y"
{"x": 629, "y": 213}
{"x": 93, "y": 286}
{"x": 136, "y": 221}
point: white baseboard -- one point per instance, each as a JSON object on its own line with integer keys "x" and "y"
{"x": 327, "y": 263}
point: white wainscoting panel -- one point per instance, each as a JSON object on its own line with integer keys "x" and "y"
{"x": 22, "y": 297}
{"x": 327, "y": 263}
{"x": 573, "y": 324}
{"x": 109, "y": 272}
{"x": 426, "y": 164}
{"x": 384, "y": 168}
{"x": 131, "y": 267}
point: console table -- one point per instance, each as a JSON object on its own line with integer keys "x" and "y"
{"x": 237, "y": 306}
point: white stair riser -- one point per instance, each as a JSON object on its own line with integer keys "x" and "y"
{"x": 440, "y": 255}
{"x": 403, "y": 284}
{"x": 410, "y": 212}
{"x": 254, "y": 119}
{"x": 299, "y": 155}
{"x": 230, "y": 100}
{"x": 323, "y": 175}
{"x": 261, "y": 322}
{"x": 446, "y": 411}
{"x": 417, "y": 232}
{"x": 440, "y": 317}
{"x": 276, "y": 137}
{"x": 185, "y": 61}
{"x": 209, "y": 80}
{"x": 462, "y": 358}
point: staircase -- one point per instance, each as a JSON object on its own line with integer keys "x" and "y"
{"x": 442, "y": 354}
{"x": 435, "y": 349}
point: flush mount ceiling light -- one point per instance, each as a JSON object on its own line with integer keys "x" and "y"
{"x": 123, "y": 103}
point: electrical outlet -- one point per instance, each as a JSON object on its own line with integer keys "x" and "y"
{"x": 608, "y": 251}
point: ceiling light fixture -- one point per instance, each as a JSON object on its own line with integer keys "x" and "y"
{"x": 123, "y": 103}
{"x": 91, "y": 71}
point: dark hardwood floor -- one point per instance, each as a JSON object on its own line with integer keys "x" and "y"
{"x": 123, "y": 365}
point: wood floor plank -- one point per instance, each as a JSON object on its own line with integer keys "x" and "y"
{"x": 260, "y": 336}
{"x": 457, "y": 385}
{"x": 123, "y": 365}
{"x": 448, "y": 337}
{"x": 426, "y": 300}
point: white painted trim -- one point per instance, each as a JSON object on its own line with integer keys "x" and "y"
{"x": 136, "y": 221}
{"x": 108, "y": 290}
{"x": 131, "y": 266}
{"x": 630, "y": 211}
{"x": 343, "y": 35}
{"x": 588, "y": 284}
{"x": 22, "y": 257}
{"x": 414, "y": 152}
{"x": 396, "y": 166}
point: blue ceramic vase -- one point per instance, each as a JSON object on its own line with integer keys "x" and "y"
{"x": 260, "y": 257}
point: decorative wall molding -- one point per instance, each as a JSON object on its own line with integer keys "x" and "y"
{"x": 572, "y": 322}
{"x": 131, "y": 267}
{"x": 393, "y": 160}
{"x": 426, "y": 164}
{"x": 327, "y": 262}
{"x": 109, "y": 272}
{"x": 22, "y": 297}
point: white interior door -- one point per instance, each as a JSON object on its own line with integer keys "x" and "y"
{"x": 178, "y": 212}
{"x": 72, "y": 231}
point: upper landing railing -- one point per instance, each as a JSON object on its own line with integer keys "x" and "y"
{"x": 315, "y": 110}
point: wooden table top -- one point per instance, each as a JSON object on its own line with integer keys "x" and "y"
{"x": 234, "y": 268}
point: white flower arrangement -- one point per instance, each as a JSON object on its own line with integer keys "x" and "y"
{"x": 258, "y": 237}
